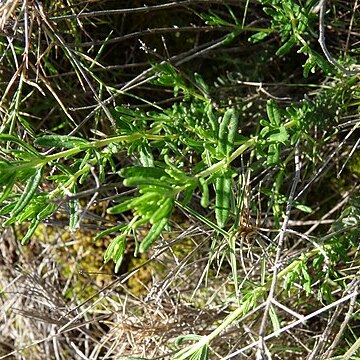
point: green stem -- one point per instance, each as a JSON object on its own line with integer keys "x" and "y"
{"x": 206, "y": 339}
{"x": 226, "y": 161}
{"x": 102, "y": 143}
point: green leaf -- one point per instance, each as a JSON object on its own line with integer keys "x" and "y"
{"x": 326, "y": 293}
{"x": 153, "y": 234}
{"x": 133, "y": 202}
{"x": 273, "y": 112}
{"x": 273, "y": 154}
{"x": 303, "y": 208}
{"x": 307, "y": 279}
{"x": 187, "y": 194}
{"x": 325, "y": 66}
{"x": 164, "y": 210}
{"x": 61, "y": 141}
{"x": 29, "y": 148}
{"x": 142, "y": 171}
{"x": 32, "y": 228}
{"x": 227, "y": 131}
{"x": 294, "y": 138}
{"x": 222, "y": 198}
{"x": 255, "y": 38}
{"x": 285, "y": 48}
{"x": 201, "y": 83}
{"x": 145, "y": 155}
{"x": 108, "y": 231}
{"x": 116, "y": 250}
{"x": 212, "y": 119}
{"x": 186, "y": 337}
{"x": 46, "y": 212}
{"x": 8, "y": 186}
{"x": 274, "y": 319}
{"x": 7, "y": 209}
{"x": 139, "y": 181}
{"x": 74, "y": 213}
{"x": 29, "y": 191}
{"x": 278, "y": 135}
{"x": 201, "y": 354}
{"x": 204, "y": 202}
{"x": 29, "y": 212}
{"x": 230, "y": 37}
{"x": 179, "y": 176}
{"x": 308, "y": 66}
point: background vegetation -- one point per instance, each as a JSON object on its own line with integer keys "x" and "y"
{"x": 179, "y": 180}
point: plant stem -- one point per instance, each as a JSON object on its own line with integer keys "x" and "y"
{"x": 226, "y": 161}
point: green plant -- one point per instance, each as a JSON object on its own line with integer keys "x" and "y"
{"x": 221, "y": 161}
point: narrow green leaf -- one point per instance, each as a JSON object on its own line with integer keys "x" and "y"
{"x": 61, "y": 141}
{"x": 145, "y": 154}
{"x": 47, "y": 211}
{"x": 153, "y": 234}
{"x": 119, "y": 251}
{"x": 8, "y": 187}
{"x": 178, "y": 175}
{"x": 29, "y": 212}
{"x": 309, "y": 66}
{"x": 133, "y": 202}
{"x": 29, "y": 191}
{"x": 116, "y": 248}
{"x": 278, "y": 135}
{"x": 204, "y": 202}
{"x": 32, "y": 228}
{"x": 273, "y": 154}
{"x": 29, "y": 148}
{"x": 138, "y": 181}
{"x": 274, "y": 319}
{"x": 186, "y": 337}
{"x": 108, "y": 231}
{"x": 273, "y": 112}
{"x": 285, "y": 48}
{"x": 227, "y": 132}
{"x": 201, "y": 83}
{"x": 261, "y": 35}
{"x": 201, "y": 354}
{"x": 306, "y": 279}
{"x": 222, "y": 198}
{"x": 303, "y": 208}
{"x": 163, "y": 211}
{"x": 74, "y": 214}
{"x": 7, "y": 209}
{"x": 187, "y": 194}
{"x": 142, "y": 171}
{"x": 232, "y": 130}
{"x": 230, "y": 37}
{"x": 212, "y": 119}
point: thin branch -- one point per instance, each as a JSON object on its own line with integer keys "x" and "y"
{"x": 326, "y": 162}
{"x": 138, "y": 10}
{"x": 348, "y": 316}
{"x": 321, "y": 40}
{"x": 295, "y": 323}
{"x": 281, "y": 236}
